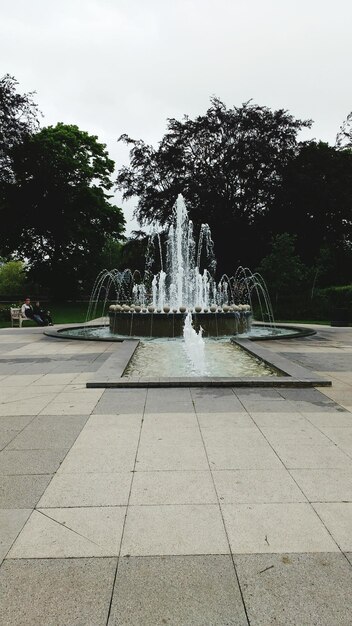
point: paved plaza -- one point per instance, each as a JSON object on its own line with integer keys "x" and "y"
{"x": 189, "y": 506}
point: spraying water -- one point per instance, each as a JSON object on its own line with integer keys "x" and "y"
{"x": 186, "y": 281}
{"x": 194, "y": 347}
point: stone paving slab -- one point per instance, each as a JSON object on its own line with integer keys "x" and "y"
{"x": 296, "y": 589}
{"x": 159, "y": 422}
{"x": 278, "y": 419}
{"x": 70, "y": 532}
{"x": 6, "y": 436}
{"x": 73, "y": 402}
{"x": 7, "y": 348}
{"x": 303, "y": 434}
{"x": 177, "y": 590}
{"x": 49, "y": 432}
{"x": 256, "y": 486}
{"x": 31, "y": 461}
{"x": 118, "y": 401}
{"x": 174, "y": 530}
{"x": 171, "y": 451}
{"x": 337, "y": 517}
{"x": 337, "y": 419}
{"x": 26, "y": 406}
{"x": 225, "y": 454}
{"x": 98, "y": 460}
{"x": 11, "y": 523}
{"x": 121, "y": 422}
{"x": 225, "y": 420}
{"x": 333, "y": 362}
{"x": 29, "y": 393}
{"x": 341, "y": 437}
{"x": 14, "y": 422}
{"x": 306, "y": 456}
{"x": 22, "y": 492}
{"x": 283, "y": 527}
{"x": 208, "y": 403}
{"x": 87, "y": 490}
{"x": 172, "y": 487}
{"x": 19, "y": 380}
{"x": 325, "y": 485}
{"x": 56, "y": 592}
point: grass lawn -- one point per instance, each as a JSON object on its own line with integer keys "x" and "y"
{"x": 69, "y": 313}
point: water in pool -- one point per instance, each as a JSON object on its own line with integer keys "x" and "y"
{"x": 169, "y": 357}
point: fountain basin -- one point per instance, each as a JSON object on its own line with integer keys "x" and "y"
{"x": 171, "y": 324}
{"x": 169, "y": 357}
{"x": 102, "y": 332}
{"x": 111, "y": 373}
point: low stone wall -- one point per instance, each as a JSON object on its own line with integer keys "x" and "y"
{"x": 171, "y": 324}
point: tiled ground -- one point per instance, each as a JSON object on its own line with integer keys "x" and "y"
{"x": 173, "y": 506}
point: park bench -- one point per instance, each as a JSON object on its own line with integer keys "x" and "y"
{"x": 17, "y": 317}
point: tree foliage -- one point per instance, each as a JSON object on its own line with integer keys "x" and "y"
{"x": 60, "y": 203}
{"x": 315, "y": 204}
{"x": 12, "y": 278}
{"x": 282, "y": 268}
{"x": 18, "y": 120}
{"x": 344, "y": 136}
{"x": 228, "y": 164}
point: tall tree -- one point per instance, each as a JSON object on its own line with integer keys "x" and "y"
{"x": 60, "y": 205}
{"x": 228, "y": 164}
{"x": 282, "y": 268}
{"x": 315, "y": 203}
{"x": 18, "y": 120}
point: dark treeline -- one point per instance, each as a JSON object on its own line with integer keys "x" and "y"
{"x": 55, "y": 209}
{"x": 272, "y": 202}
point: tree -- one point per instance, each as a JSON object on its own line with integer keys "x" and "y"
{"x": 134, "y": 253}
{"x": 283, "y": 270}
{"x": 61, "y": 208}
{"x": 344, "y": 136}
{"x": 12, "y": 278}
{"x": 18, "y": 120}
{"x": 315, "y": 203}
{"x": 228, "y": 164}
{"x": 110, "y": 256}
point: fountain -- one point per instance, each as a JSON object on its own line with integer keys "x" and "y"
{"x": 187, "y": 318}
{"x": 155, "y": 305}
{"x": 184, "y": 290}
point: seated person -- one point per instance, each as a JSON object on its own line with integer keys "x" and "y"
{"x": 43, "y": 314}
{"x": 27, "y": 311}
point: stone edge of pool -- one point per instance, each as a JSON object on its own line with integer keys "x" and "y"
{"x": 64, "y": 333}
{"x": 110, "y": 374}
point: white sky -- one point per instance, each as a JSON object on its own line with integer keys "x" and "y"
{"x": 125, "y": 66}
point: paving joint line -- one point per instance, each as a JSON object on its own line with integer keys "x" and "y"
{"x": 65, "y": 526}
{"x": 223, "y": 522}
{"x": 125, "y": 518}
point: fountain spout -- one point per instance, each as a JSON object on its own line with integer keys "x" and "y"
{"x": 194, "y": 346}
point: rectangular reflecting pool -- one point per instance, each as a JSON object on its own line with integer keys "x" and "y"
{"x": 172, "y": 358}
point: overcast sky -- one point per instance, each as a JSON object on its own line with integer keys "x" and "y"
{"x": 125, "y": 66}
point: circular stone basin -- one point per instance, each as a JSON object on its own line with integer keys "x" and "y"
{"x": 259, "y": 332}
{"x": 156, "y": 324}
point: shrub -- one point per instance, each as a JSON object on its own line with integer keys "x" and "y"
{"x": 12, "y": 277}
